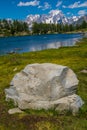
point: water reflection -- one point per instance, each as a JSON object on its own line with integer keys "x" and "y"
{"x": 46, "y": 46}
{"x": 36, "y": 43}
{"x": 54, "y": 45}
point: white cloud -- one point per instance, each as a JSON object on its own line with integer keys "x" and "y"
{"x": 58, "y": 3}
{"x": 68, "y": 13}
{"x": 45, "y": 6}
{"x": 76, "y": 5}
{"x": 40, "y": 6}
{"x": 82, "y": 12}
{"x": 31, "y": 3}
{"x": 64, "y": 6}
{"x": 55, "y": 12}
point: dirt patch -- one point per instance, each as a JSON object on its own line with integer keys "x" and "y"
{"x": 31, "y": 121}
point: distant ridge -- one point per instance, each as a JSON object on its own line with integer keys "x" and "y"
{"x": 81, "y": 19}
{"x": 53, "y": 17}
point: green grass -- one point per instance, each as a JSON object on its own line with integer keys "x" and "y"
{"x": 73, "y": 57}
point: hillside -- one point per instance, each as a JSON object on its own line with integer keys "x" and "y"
{"x": 73, "y": 57}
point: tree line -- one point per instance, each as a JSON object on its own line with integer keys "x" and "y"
{"x": 43, "y": 28}
{"x": 12, "y": 27}
{"x": 16, "y": 27}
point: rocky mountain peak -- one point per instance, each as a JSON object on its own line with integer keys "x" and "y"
{"x": 54, "y": 17}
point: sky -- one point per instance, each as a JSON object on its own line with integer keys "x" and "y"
{"x": 20, "y": 9}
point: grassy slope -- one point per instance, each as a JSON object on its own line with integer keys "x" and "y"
{"x": 73, "y": 57}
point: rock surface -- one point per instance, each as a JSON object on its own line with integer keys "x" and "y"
{"x": 45, "y": 86}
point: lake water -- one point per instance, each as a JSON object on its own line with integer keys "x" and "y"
{"x": 37, "y": 42}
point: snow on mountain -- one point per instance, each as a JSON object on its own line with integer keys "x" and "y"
{"x": 57, "y": 17}
{"x": 81, "y": 19}
{"x": 54, "y": 16}
{"x": 73, "y": 19}
{"x": 32, "y": 18}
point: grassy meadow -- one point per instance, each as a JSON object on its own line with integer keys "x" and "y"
{"x": 74, "y": 57}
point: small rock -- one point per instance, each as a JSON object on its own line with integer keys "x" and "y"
{"x": 14, "y": 110}
{"x": 84, "y": 71}
{"x": 15, "y": 69}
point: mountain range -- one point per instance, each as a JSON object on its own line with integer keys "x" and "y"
{"x": 54, "y": 16}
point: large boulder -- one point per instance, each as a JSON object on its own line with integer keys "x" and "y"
{"x": 45, "y": 86}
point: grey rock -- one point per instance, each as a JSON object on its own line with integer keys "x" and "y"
{"x": 84, "y": 71}
{"x": 15, "y": 110}
{"x": 45, "y": 86}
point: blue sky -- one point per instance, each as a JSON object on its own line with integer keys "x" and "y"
{"x": 19, "y": 9}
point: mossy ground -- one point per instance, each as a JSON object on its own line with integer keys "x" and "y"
{"x": 74, "y": 57}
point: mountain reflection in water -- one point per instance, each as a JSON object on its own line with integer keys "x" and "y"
{"x": 37, "y": 42}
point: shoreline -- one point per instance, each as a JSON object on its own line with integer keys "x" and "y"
{"x": 75, "y": 32}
